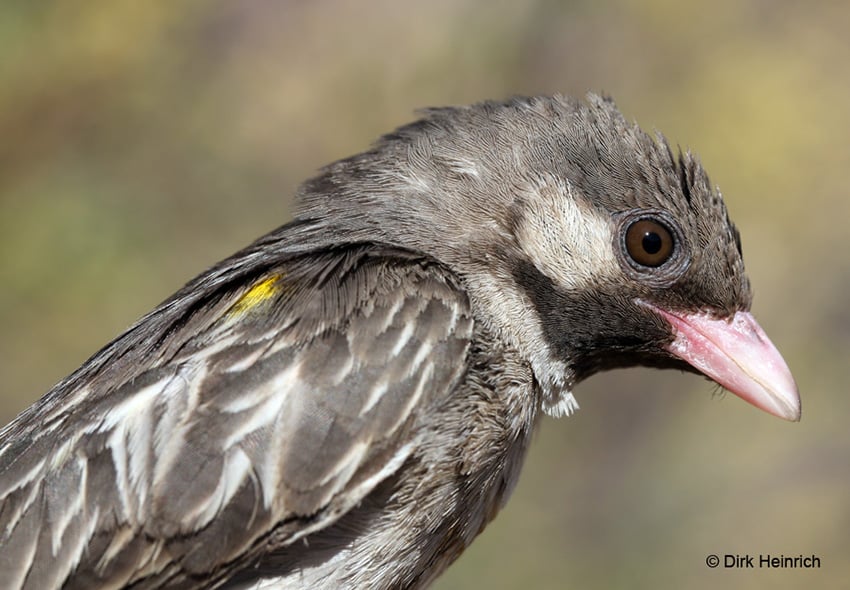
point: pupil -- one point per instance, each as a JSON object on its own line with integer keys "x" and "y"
{"x": 651, "y": 243}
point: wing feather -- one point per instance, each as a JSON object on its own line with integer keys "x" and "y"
{"x": 179, "y": 448}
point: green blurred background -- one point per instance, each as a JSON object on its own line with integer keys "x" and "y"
{"x": 141, "y": 142}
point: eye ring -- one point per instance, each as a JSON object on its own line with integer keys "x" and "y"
{"x": 651, "y": 247}
{"x": 648, "y": 242}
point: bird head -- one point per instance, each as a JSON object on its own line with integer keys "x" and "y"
{"x": 584, "y": 243}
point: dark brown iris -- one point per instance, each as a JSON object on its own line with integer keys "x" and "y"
{"x": 649, "y": 243}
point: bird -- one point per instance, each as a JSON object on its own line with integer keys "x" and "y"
{"x": 347, "y": 402}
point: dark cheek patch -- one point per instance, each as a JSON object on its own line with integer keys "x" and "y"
{"x": 591, "y": 330}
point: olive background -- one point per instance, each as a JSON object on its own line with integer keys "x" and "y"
{"x": 140, "y": 142}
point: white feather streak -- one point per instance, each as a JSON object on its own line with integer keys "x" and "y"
{"x": 247, "y": 361}
{"x": 258, "y": 396}
{"x": 128, "y": 411}
{"x": 391, "y": 466}
{"x": 413, "y": 399}
{"x": 375, "y": 394}
{"x": 116, "y": 545}
{"x": 236, "y": 466}
{"x": 389, "y": 317}
{"x": 29, "y": 476}
{"x": 61, "y": 520}
{"x": 403, "y": 338}
{"x": 270, "y": 399}
{"x": 347, "y": 465}
{"x": 79, "y": 545}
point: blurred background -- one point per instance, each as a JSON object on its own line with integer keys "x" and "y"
{"x": 140, "y": 142}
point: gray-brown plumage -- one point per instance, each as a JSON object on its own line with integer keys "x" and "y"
{"x": 348, "y": 401}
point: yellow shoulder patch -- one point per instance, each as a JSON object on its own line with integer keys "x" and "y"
{"x": 262, "y": 291}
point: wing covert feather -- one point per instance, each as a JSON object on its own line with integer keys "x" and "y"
{"x": 288, "y": 403}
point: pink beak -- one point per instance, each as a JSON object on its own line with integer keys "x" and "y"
{"x": 739, "y": 356}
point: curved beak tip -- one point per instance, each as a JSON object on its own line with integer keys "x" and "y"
{"x": 737, "y": 355}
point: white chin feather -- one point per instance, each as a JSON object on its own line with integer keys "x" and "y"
{"x": 564, "y": 405}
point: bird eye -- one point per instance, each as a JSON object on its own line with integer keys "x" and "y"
{"x": 649, "y": 243}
